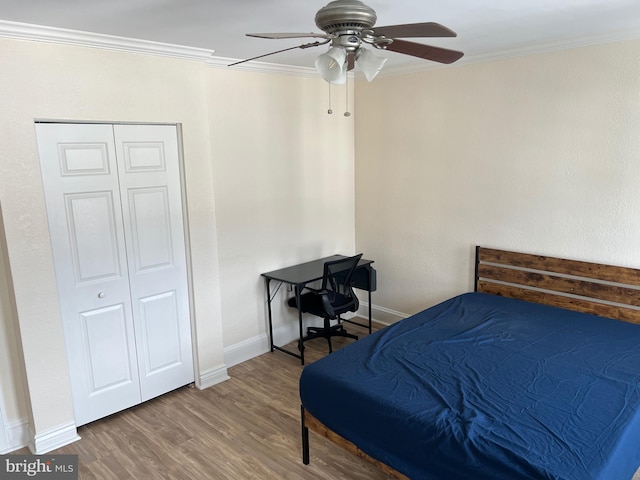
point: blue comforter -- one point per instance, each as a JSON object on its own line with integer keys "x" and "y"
{"x": 484, "y": 387}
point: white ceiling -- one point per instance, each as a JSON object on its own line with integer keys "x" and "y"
{"x": 486, "y": 29}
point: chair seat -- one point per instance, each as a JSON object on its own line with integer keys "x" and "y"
{"x": 312, "y": 303}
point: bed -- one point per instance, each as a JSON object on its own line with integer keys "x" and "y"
{"x": 531, "y": 376}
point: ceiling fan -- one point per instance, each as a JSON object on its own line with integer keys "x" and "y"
{"x": 349, "y": 25}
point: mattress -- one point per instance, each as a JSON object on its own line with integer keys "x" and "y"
{"x": 486, "y": 387}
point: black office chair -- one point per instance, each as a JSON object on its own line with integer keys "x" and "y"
{"x": 334, "y": 298}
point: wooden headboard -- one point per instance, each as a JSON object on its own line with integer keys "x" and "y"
{"x": 603, "y": 290}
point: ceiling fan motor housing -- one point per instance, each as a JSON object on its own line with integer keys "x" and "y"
{"x": 344, "y": 15}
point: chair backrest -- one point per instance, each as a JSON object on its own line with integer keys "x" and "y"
{"x": 337, "y": 280}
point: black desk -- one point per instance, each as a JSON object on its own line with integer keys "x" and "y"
{"x": 364, "y": 278}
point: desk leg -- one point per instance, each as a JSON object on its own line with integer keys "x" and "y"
{"x": 370, "y": 288}
{"x": 301, "y": 333}
{"x": 268, "y": 281}
{"x": 305, "y": 439}
{"x": 272, "y": 346}
{"x": 369, "y": 303}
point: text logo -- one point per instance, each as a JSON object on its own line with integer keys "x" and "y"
{"x": 39, "y": 467}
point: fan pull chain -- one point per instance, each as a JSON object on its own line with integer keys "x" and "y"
{"x": 329, "y": 111}
{"x": 347, "y": 113}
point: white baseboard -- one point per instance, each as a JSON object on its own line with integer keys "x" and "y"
{"x": 4, "y": 440}
{"x": 16, "y": 436}
{"x": 252, "y": 347}
{"x": 54, "y": 438}
{"x": 246, "y": 350}
{"x": 212, "y": 377}
{"x": 384, "y": 316}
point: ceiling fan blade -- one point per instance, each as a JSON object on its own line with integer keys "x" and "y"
{"x": 351, "y": 61}
{"x": 428, "y": 52}
{"x": 410, "y": 30}
{"x": 290, "y": 35}
{"x": 305, "y": 45}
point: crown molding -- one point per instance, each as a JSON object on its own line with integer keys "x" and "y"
{"x": 40, "y": 33}
{"x": 262, "y": 67}
{"x": 514, "y": 53}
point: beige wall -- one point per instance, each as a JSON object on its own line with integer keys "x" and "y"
{"x": 245, "y": 134}
{"x": 284, "y": 183}
{"x": 12, "y": 401}
{"x": 537, "y": 154}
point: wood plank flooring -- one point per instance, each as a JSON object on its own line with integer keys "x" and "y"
{"x": 245, "y": 428}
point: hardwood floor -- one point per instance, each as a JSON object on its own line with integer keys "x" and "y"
{"x": 245, "y": 428}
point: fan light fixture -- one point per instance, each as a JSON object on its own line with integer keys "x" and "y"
{"x": 333, "y": 64}
{"x": 369, "y": 63}
{"x": 348, "y": 25}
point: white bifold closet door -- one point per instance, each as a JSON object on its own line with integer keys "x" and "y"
{"x": 114, "y": 204}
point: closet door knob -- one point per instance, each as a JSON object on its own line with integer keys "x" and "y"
{"x": 101, "y": 295}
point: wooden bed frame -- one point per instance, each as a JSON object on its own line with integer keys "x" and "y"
{"x": 598, "y": 289}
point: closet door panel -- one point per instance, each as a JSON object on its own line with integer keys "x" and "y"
{"x": 93, "y": 236}
{"x": 148, "y": 159}
{"x": 151, "y": 228}
{"x": 85, "y": 222}
{"x": 159, "y": 327}
{"x": 106, "y": 348}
